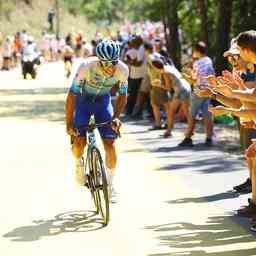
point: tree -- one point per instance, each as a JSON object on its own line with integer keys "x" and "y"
{"x": 244, "y": 12}
{"x": 202, "y": 5}
{"x": 174, "y": 46}
{"x": 223, "y": 33}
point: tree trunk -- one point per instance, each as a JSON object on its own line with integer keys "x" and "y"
{"x": 164, "y": 18}
{"x": 173, "y": 25}
{"x": 202, "y": 5}
{"x": 223, "y": 32}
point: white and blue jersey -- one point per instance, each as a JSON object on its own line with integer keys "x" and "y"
{"x": 90, "y": 80}
{"x": 92, "y": 89}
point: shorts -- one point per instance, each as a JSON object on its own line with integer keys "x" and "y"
{"x": 145, "y": 85}
{"x": 102, "y": 110}
{"x": 159, "y": 96}
{"x": 182, "y": 95}
{"x": 200, "y": 104}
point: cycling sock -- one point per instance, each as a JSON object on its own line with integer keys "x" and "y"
{"x": 111, "y": 174}
{"x": 78, "y": 161}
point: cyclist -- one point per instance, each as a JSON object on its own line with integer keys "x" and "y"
{"x": 89, "y": 94}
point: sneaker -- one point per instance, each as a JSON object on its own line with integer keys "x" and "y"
{"x": 187, "y": 142}
{"x": 253, "y": 224}
{"x": 208, "y": 142}
{"x": 248, "y": 211}
{"x": 245, "y": 187}
{"x": 80, "y": 176}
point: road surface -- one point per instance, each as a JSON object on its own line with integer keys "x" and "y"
{"x": 171, "y": 201}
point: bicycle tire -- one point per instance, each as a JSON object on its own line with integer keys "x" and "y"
{"x": 91, "y": 181}
{"x": 101, "y": 184}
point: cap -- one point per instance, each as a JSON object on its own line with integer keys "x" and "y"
{"x": 233, "y": 50}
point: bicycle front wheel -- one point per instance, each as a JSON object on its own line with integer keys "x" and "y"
{"x": 101, "y": 185}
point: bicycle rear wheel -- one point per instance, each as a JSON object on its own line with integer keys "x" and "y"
{"x": 100, "y": 180}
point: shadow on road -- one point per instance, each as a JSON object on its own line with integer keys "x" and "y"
{"x": 218, "y": 231}
{"x": 206, "y": 199}
{"x": 45, "y": 104}
{"x": 205, "y": 164}
{"x": 77, "y": 221}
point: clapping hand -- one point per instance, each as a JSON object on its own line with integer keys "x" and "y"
{"x": 249, "y": 124}
{"x": 219, "y": 110}
{"x": 224, "y": 90}
{"x": 233, "y": 80}
{"x": 204, "y": 92}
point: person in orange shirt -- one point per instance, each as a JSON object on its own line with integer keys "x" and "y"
{"x": 17, "y": 48}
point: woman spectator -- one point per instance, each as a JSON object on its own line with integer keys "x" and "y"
{"x": 174, "y": 81}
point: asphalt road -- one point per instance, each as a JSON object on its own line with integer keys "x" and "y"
{"x": 171, "y": 201}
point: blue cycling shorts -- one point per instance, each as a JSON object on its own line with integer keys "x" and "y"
{"x": 102, "y": 110}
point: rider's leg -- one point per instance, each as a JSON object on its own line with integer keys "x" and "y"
{"x": 111, "y": 155}
{"x": 78, "y": 145}
{"x": 111, "y": 159}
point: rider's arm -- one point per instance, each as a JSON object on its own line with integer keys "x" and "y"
{"x": 121, "y": 99}
{"x": 71, "y": 98}
{"x": 70, "y": 106}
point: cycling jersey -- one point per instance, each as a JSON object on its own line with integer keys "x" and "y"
{"x": 92, "y": 90}
{"x": 90, "y": 79}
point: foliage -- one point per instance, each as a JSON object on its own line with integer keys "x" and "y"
{"x": 109, "y": 13}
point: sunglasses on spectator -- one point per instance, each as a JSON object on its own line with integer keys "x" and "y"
{"x": 233, "y": 59}
{"x": 108, "y": 64}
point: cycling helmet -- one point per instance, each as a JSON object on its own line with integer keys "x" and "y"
{"x": 108, "y": 50}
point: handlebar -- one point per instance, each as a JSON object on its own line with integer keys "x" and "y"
{"x": 91, "y": 127}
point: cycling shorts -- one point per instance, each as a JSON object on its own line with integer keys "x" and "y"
{"x": 100, "y": 107}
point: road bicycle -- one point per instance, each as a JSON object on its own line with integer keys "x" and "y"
{"x": 95, "y": 172}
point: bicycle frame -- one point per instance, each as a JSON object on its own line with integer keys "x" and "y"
{"x": 91, "y": 137}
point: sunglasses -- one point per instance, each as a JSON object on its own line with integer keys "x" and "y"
{"x": 233, "y": 59}
{"x": 107, "y": 64}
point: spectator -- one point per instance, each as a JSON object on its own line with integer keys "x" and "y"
{"x": 160, "y": 95}
{"x": 181, "y": 94}
{"x": 7, "y": 53}
{"x": 202, "y": 68}
{"x": 136, "y": 60}
{"x": 246, "y": 42}
{"x": 240, "y": 66}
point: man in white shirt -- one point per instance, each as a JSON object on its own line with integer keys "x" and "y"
{"x": 135, "y": 58}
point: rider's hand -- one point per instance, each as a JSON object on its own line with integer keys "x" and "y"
{"x": 71, "y": 131}
{"x": 116, "y": 125}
